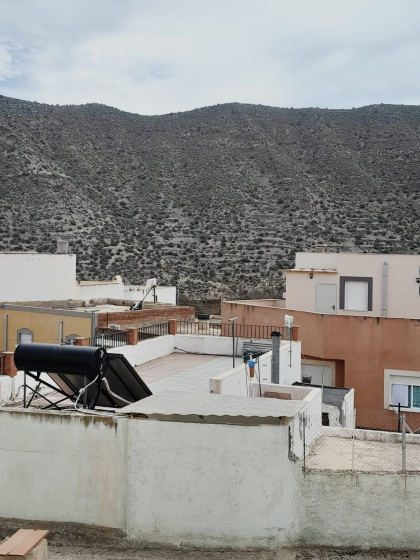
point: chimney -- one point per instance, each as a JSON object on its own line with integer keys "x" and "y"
{"x": 275, "y": 337}
{"x": 319, "y": 248}
{"x": 62, "y": 247}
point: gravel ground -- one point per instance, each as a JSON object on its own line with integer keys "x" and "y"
{"x": 113, "y": 553}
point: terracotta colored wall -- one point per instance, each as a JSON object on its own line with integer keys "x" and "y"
{"x": 135, "y": 318}
{"x": 366, "y": 346}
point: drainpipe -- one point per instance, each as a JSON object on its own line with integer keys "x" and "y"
{"x": 5, "y": 333}
{"x": 275, "y": 337}
{"x": 384, "y": 288}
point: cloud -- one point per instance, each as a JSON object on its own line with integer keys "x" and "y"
{"x": 159, "y": 56}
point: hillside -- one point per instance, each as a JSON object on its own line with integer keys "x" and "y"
{"x": 223, "y": 195}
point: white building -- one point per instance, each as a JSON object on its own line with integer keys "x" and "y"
{"x": 372, "y": 285}
{"x": 33, "y": 277}
{"x": 37, "y": 277}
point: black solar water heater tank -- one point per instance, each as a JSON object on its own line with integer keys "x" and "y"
{"x": 86, "y": 361}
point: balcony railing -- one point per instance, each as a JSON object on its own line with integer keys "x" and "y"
{"x": 109, "y": 340}
{"x": 153, "y": 331}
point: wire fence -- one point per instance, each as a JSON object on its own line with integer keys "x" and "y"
{"x": 338, "y": 444}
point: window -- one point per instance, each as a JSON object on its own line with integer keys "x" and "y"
{"x": 356, "y": 293}
{"x": 405, "y": 391}
{"x": 25, "y": 336}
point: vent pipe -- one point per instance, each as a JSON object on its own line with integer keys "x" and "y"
{"x": 5, "y": 333}
{"x": 384, "y": 289}
{"x": 275, "y": 337}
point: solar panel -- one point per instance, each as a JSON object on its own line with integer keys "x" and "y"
{"x": 111, "y": 380}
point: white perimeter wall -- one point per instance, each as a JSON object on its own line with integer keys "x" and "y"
{"x": 147, "y": 350}
{"x": 214, "y": 485}
{"x": 236, "y": 381}
{"x": 37, "y": 277}
{"x": 164, "y": 294}
{"x": 62, "y": 468}
{"x": 195, "y": 484}
{"x": 111, "y": 290}
{"x": 363, "y": 510}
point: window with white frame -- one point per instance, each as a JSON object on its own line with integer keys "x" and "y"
{"x": 405, "y": 391}
{"x": 356, "y": 293}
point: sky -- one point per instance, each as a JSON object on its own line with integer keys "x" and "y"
{"x": 161, "y": 56}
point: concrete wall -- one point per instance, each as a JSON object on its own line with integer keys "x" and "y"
{"x": 403, "y": 298}
{"x": 164, "y": 294}
{"x": 200, "y": 484}
{"x": 210, "y": 485}
{"x": 362, "y": 348}
{"x": 86, "y": 291}
{"x": 147, "y": 350}
{"x": 62, "y": 468}
{"x": 364, "y": 510}
{"x": 37, "y": 277}
{"x": 237, "y": 381}
{"x": 44, "y": 323}
{"x": 202, "y": 344}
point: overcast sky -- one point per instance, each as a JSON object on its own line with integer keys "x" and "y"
{"x": 161, "y": 56}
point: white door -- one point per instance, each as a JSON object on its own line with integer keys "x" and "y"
{"x": 326, "y": 298}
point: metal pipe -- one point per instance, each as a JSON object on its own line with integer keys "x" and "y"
{"x": 384, "y": 289}
{"x": 403, "y": 446}
{"x": 93, "y": 327}
{"x": 60, "y": 333}
{"x": 275, "y": 337}
{"x": 5, "y": 332}
{"x": 233, "y": 319}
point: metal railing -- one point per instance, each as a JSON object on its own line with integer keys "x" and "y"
{"x": 198, "y": 327}
{"x": 153, "y": 331}
{"x": 109, "y": 340}
{"x": 253, "y": 331}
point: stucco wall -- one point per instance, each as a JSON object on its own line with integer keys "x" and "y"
{"x": 363, "y": 510}
{"x": 365, "y": 346}
{"x": 210, "y": 484}
{"x": 44, "y": 323}
{"x": 100, "y": 290}
{"x": 37, "y": 277}
{"x": 197, "y": 484}
{"x": 62, "y": 468}
{"x": 403, "y": 299}
{"x": 164, "y": 294}
{"x": 146, "y": 350}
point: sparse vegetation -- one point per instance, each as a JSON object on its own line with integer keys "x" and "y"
{"x": 220, "y": 196}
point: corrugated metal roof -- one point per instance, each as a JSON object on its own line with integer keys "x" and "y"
{"x": 197, "y": 406}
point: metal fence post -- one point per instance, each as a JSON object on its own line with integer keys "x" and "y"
{"x": 403, "y": 445}
{"x": 304, "y": 440}
{"x": 354, "y": 439}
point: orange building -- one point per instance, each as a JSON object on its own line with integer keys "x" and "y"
{"x": 378, "y": 356}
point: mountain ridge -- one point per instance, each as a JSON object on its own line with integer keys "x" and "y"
{"x": 218, "y": 198}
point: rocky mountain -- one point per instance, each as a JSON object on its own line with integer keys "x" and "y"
{"x": 218, "y": 199}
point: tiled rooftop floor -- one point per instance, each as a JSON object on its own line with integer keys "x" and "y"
{"x": 183, "y": 372}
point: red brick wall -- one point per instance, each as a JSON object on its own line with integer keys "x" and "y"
{"x": 137, "y": 318}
